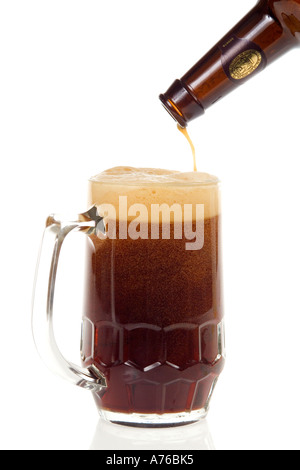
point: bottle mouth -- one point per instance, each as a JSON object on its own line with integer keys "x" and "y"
{"x": 172, "y": 109}
{"x": 181, "y": 103}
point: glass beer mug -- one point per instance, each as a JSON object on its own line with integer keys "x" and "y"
{"x": 152, "y": 342}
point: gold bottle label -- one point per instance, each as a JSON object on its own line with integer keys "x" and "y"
{"x": 245, "y": 64}
{"x": 241, "y": 58}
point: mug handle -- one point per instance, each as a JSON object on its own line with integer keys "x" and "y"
{"x": 43, "y": 298}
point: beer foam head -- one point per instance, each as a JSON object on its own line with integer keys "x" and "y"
{"x": 150, "y": 186}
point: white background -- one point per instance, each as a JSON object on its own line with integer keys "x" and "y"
{"x": 79, "y": 88}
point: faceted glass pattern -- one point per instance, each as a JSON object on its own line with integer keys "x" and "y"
{"x": 179, "y": 372}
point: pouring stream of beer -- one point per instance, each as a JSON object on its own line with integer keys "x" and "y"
{"x": 186, "y": 135}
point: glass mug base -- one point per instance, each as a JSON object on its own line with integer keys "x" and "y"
{"x": 158, "y": 420}
{"x": 154, "y": 420}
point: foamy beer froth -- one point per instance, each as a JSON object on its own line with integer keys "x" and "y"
{"x": 155, "y": 186}
{"x": 153, "y": 305}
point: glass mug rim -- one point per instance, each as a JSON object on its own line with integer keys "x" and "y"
{"x": 209, "y": 181}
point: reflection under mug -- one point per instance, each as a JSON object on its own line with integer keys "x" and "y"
{"x": 196, "y": 436}
{"x": 152, "y": 343}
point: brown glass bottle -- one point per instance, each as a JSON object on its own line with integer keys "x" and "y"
{"x": 269, "y": 30}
